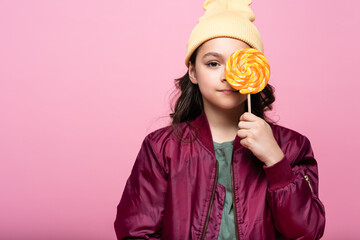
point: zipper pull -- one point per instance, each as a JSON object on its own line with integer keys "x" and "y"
{"x": 307, "y": 179}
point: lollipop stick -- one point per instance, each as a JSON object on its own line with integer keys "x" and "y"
{"x": 249, "y": 102}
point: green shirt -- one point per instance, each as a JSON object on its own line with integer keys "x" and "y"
{"x": 223, "y": 153}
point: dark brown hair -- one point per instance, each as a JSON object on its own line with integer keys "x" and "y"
{"x": 189, "y": 105}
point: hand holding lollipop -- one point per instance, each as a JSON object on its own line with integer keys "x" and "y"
{"x": 248, "y": 71}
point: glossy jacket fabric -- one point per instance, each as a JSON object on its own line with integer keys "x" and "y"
{"x": 172, "y": 192}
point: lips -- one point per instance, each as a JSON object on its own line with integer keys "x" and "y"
{"x": 228, "y": 91}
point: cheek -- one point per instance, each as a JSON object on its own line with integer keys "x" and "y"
{"x": 204, "y": 87}
{"x": 204, "y": 78}
{"x": 242, "y": 97}
{"x": 210, "y": 76}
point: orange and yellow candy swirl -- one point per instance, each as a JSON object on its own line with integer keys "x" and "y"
{"x": 247, "y": 70}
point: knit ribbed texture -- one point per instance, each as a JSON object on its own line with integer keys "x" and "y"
{"x": 225, "y": 18}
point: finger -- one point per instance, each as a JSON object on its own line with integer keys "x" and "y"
{"x": 247, "y": 142}
{"x": 246, "y": 116}
{"x": 244, "y": 143}
{"x": 245, "y": 125}
{"x": 242, "y": 133}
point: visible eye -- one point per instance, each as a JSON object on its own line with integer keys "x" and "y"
{"x": 213, "y": 64}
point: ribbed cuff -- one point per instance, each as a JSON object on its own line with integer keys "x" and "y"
{"x": 279, "y": 175}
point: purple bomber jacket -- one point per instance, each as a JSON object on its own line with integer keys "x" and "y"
{"x": 172, "y": 192}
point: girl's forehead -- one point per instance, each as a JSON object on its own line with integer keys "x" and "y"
{"x": 222, "y": 45}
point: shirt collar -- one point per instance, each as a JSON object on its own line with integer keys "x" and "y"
{"x": 202, "y": 128}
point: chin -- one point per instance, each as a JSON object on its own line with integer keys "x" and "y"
{"x": 231, "y": 106}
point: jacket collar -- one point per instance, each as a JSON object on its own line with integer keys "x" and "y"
{"x": 203, "y": 132}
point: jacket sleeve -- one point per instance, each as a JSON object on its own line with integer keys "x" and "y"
{"x": 140, "y": 211}
{"x": 293, "y": 192}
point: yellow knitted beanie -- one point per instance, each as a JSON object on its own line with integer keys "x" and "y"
{"x": 225, "y": 18}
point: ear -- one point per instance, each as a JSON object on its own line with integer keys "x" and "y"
{"x": 192, "y": 73}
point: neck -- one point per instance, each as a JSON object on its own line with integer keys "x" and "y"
{"x": 223, "y": 122}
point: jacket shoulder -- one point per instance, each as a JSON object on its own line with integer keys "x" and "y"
{"x": 167, "y": 141}
{"x": 282, "y": 133}
{"x": 173, "y": 135}
{"x": 294, "y": 144}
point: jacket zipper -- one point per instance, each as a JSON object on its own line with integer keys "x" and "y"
{"x": 308, "y": 181}
{"x": 234, "y": 204}
{"x": 211, "y": 202}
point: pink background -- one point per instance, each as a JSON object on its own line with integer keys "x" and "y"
{"x": 83, "y": 82}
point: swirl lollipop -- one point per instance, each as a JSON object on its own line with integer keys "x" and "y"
{"x": 248, "y": 71}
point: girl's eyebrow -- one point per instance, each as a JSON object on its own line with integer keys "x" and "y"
{"x": 215, "y": 54}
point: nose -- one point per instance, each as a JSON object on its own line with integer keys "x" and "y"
{"x": 223, "y": 78}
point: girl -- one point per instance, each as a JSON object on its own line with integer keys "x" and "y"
{"x": 219, "y": 172}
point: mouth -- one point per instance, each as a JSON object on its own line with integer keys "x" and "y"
{"x": 228, "y": 91}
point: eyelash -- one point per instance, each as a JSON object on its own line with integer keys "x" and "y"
{"x": 210, "y": 64}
